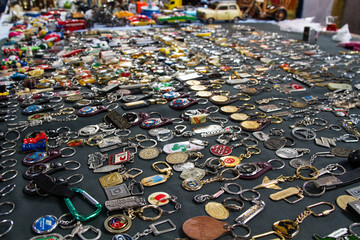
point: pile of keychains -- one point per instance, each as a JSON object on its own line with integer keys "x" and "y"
{"x": 117, "y": 113}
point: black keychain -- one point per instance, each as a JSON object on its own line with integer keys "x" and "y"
{"x": 135, "y": 118}
{"x": 158, "y": 122}
{"x": 33, "y": 109}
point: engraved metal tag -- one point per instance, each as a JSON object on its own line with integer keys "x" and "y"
{"x": 111, "y": 179}
{"x": 125, "y": 203}
{"x": 299, "y": 162}
{"x": 118, "y": 120}
{"x": 204, "y": 129}
{"x": 194, "y": 173}
{"x": 110, "y": 141}
{"x": 183, "y": 166}
{"x": 118, "y": 191}
{"x": 286, "y": 193}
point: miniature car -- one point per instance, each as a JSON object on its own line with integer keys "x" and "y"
{"x": 219, "y": 11}
{"x": 175, "y": 18}
{"x": 142, "y": 20}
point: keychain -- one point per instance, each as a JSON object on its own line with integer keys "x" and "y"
{"x": 183, "y": 103}
{"x": 49, "y": 116}
{"x": 87, "y": 102}
{"x": 208, "y": 228}
{"x": 192, "y": 115}
{"x": 49, "y": 168}
{"x": 158, "y": 122}
{"x": 43, "y": 157}
{"x": 93, "y": 110}
{"x": 289, "y": 229}
{"x": 200, "y": 198}
{"x": 229, "y": 109}
{"x": 257, "y": 207}
{"x": 135, "y": 118}
{"x": 123, "y": 157}
{"x": 116, "y": 178}
{"x": 149, "y": 152}
{"x": 143, "y": 103}
{"x": 259, "y": 124}
{"x": 173, "y": 95}
{"x": 254, "y": 170}
{"x": 48, "y": 223}
{"x": 225, "y": 100}
{"x": 33, "y": 109}
{"x": 31, "y": 101}
{"x": 159, "y": 178}
{"x": 187, "y": 146}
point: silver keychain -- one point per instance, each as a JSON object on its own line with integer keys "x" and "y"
{"x": 200, "y": 198}
{"x": 254, "y": 210}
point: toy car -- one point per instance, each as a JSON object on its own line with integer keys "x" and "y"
{"x": 142, "y": 20}
{"x": 220, "y": 11}
{"x": 175, "y": 18}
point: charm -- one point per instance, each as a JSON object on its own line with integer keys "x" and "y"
{"x": 193, "y": 173}
{"x": 220, "y": 150}
{"x": 118, "y": 223}
{"x": 216, "y": 210}
{"x": 159, "y": 178}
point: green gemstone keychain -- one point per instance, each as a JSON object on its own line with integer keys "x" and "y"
{"x": 290, "y": 229}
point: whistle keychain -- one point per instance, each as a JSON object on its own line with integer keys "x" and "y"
{"x": 290, "y": 229}
{"x": 183, "y": 103}
{"x": 158, "y": 122}
{"x": 33, "y": 109}
{"x": 208, "y": 228}
{"x": 158, "y": 178}
{"x": 135, "y": 118}
{"x": 143, "y": 103}
{"x": 254, "y": 170}
{"x": 93, "y": 110}
{"x": 225, "y": 100}
{"x": 43, "y": 157}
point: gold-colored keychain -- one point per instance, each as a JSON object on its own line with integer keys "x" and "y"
{"x": 117, "y": 178}
{"x": 158, "y": 178}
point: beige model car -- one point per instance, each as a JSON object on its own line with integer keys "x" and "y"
{"x": 220, "y": 11}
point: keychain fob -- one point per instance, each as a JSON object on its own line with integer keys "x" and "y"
{"x": 135, "y": 118}
{"x": 46, "y": 168}
{"x": 155, "y": 122}
{"x": 89, "y": 111}
{"x": 33, "y": 109}
{"x": 40, "y": 157}
{"x": 173, "y": 95}
{"x": 191, "y": 113}
{"x": 29, "y": 102}
{"x": 182, "y": 103}
{"x": 136, "y": 104}
{"x": 251, "y": 171}
{"x": 87, "y": 102}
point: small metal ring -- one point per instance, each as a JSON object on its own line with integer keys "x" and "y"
{"x": 251, "y": 140}
{"x": 68, "y": 155}
{"x": 172, "y": 199}
{"x": 320, "y": 122}
{"x": 147, "y": 140}
{"x": 202, "y": 101}
{"x": 8, "y": 152}
{"x": 66, "y": 224}
{"x": 351, "y": 231}
{"x": 141, "y": 211}
{"x": 233, "y": 207}
{"x": 140, "y": 137}
{"x": 118, "y": 131}
{"x": 80, "y": 176}
{"x": 227, "y": 190}
{"x": 67, "y": 111}
{"x": 335, "y": 127}
{"x": 95, "y": 140}
{"x": 240, "y": 225}
{"x": 10, "y": 227}
{"x": 7, "y": 189}
{"x": 11, "y": 144}
{"x": 292, "y": 141}
{"x": 14, "y": 173}
{"x": 66, "y": 128}
{"x": 323, "y": 190}
{"x": 13, "y": 162}
{"x": 89, "y": 130}
{"x": 78, "y": 165}
{"x": 15, "y": 139}
{"x": 298, "y": 173}
{"x": 277, "y": 160}
{"x": 177, "y": 120}
{"x": 9, "y": 117}
{"x": 9, "y": 211}
{"x": 230, "y": 169}
{"x": 216, "y": 109}
{"x": 255, "y": 197}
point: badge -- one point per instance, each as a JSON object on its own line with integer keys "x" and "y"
{"x": 220, "y": 150}
{"x": 193, "y": 173}
{"x": 231, "y": 161}
{"x": 118, "y": 223}
{"x": 45, "y": 224}
{"x": 192, "y": 184}
{"x": 216, "y": 210}
{"x": 156, "y": 196}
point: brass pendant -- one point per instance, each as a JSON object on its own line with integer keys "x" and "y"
{"x": 177, "y": 157}
{"x": 149, "y": 153}
{"x": 216, "y": 210}
{"x": 250, "y": 125}
{"x": 239, "y": 117}
{"x": 229, "y": 109}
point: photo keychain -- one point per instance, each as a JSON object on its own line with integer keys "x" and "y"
{"x": 34, "y": 109}
{"x": 93, "y": 110}
{"x": 43, "y": 157}
{"x": 183, "y": 103}
{"x": 159, "y": 121}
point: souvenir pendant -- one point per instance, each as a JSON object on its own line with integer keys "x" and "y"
{"x": 253, "y": 126}
{"x": 186, "y": 146}
{"x": 192, "y": 185}
{"x": 36, "y": 109}
{"x": 173, "y": 95}
{"x": 122, "y": 157}
{"x": 155, "y": 122}
{"x": 194, "y": 112}
{"x": 183, "y": 166}
{"x": 216, "y": 210}
{"x": 231, "y": 161}
{"x": 40, "y": 157}
{"x": 89, "y": 111}
{"x": 205, "y": 228}
{"x": 149, "y": 153}
{"x": 111, "y": 179}
{"x": 287, "y": 228}
{"x": 135, "y": 118}
{"x": 220, "y": 150}
{"x": 45, "y": 224}
{"x": 154, "y": 180}
{"x": 193, "y": 173}
{"x": 182, "y": 103}
{"x": 118, "y": 223}
{"x": 251, "y": 171}
{"x": 155, "y": 198}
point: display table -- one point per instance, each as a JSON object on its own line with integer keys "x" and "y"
{"x": 28, "y": 208}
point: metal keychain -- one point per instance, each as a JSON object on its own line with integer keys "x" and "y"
{"x": 9, "y": 228}
{"x": 200, "y": 198}
{"x": 254, "y": 210}
{"x": 48, "y": 168}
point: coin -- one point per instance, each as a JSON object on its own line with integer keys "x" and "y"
{"x": 239, "y": 116}
{"x": 229, "y": 109}
{"x": 343, "y": 200}
{"x": 204, "y": 94}
{"x": 340, "y": 152}
{"x": 216, "y": 210}
{"x": 287, "y": 153}
{"x": 177, "y": 157}
{"x": 156, "y": 196}
{"x": 149, "y": 153}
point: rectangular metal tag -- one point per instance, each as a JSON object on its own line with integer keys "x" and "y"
{"x": 121, "y": 157}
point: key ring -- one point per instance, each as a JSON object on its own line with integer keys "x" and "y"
{"x": 256, "y": 195}
{"x": 7, "y": 189}
{"x": 315, "y": 176}
{"x": 140, "y": 212}
{"x": 8, "y": 145}
{"x": 4, "y": 163}
{"x": 140, "y": 143}
{"x": 70, "y": 154}
{"x": 352, "y": 226}
{"x": 277, "y": 160}
{"x": 95, "y": 140}
{"x": 229, "y": 179}
{"x": 231, "y": 227}
{"x": 69, "y": 162}
{"x": 9, "y": 228}
{"x": 66, "y": 224}
{"x": 173, "y": 200}
{"x": 232, "y": 206}
{"x": 122, "y": 132}
{"x": 227, "y": 190}
{"x": 332, "y": 167}
{"x": 242, "y": 141}
{"x": 322, "y": 190}
{"x": 323, "y": 213}
{"x": 13, "y": 173}
{"x": 12, "y": 205}
{"x": 12, "y": 131}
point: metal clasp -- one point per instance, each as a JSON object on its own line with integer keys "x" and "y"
{"x": 166, "y": 170}
{"x": 157, "y": 232}
{"x": 80, "y": 230}
{"x": 324, "y": 213}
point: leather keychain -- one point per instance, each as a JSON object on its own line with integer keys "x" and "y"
{"x": 208, "y": 228}
{"x": 183, "y": 103}
{"x": 135, "y": 118}
{"x": 158, "y": 122}
{"x": 33, "y": 109}
{"x": 142, "y": 103}
{"x": 93, "y": 110}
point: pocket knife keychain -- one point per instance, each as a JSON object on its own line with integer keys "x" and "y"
{"x": 43, "y": 157}
{"x": 93, "y": 110}
{"x": 33, "y": 109}
{"x": 135, "y": 118}
{"x": 158, "y": 178}
{"x": 158, "y": 122}
{"x": 183, "y": 103}
{"x": 289, "y": 228}
{"x": 208, "y": 228}
{"x": 256, "y": 169}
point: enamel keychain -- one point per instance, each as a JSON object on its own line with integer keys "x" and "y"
{"x": 43, "y": 157}
{"x": 89, "y": 111}
{"x": 135, "y": 118}
{"x": 158, "y": 122}
{"x": 33, "y": 109}
{"x": 183, "y": 103}
{"x": 166, "y": 173}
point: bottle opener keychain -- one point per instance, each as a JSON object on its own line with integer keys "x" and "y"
{"x": 256, "y": 169}
{"x": 93, "y": 110}
{"x": 135, "y": 118}
{"x": 43, "y": 157}
{"x": 158, "y": 122}
{"x": 33, "y": 109}
{"x": 183, "y": 103}
{"x": 208, "y": 228}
